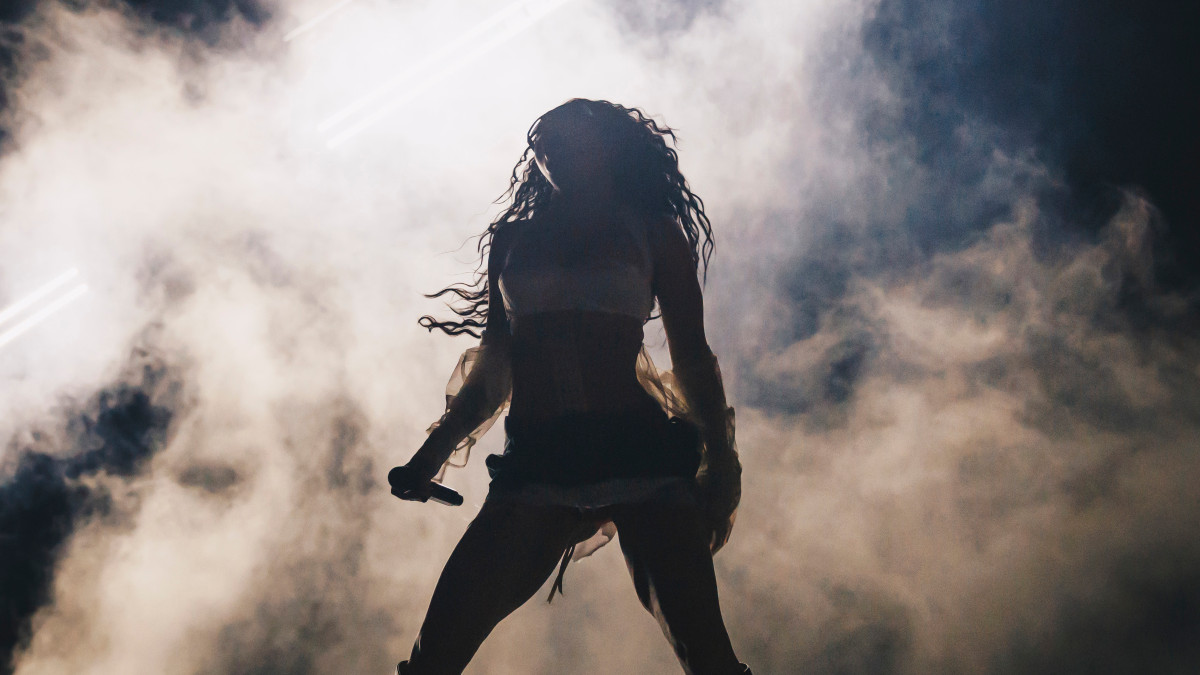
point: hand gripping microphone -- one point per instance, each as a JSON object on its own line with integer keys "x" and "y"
{"x": 404, "y": 483}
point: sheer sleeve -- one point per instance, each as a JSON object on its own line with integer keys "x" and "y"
{"x": 485, "y": 369}
{"x": 664, "y": 386}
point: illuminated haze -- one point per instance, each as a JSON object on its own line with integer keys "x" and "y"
{"x": 967, "y": 420}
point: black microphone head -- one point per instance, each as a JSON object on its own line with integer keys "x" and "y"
{"x": 446, "y": 495}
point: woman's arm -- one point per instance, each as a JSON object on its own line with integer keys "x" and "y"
{"x": 487, "y": 384}
{"x": 695, "y": 369}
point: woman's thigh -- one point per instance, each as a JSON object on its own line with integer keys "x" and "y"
{"x": 506, "y": 554}
{"x": 666, "y": 550}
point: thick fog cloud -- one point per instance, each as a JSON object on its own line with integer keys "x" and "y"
{"x": 965, "y": 378}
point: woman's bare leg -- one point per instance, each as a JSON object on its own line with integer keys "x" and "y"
{"x": 668, "y": 557}
{"x": 503, "y": 558}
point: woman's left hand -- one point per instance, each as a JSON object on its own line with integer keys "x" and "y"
{"x": 721, "y": 491}
{"x": 721, "y": 531}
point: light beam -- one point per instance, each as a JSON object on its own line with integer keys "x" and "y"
{"x": 38, "y": 316}
{"x": 445, "y": 61}
{"x": 20, "y": 305}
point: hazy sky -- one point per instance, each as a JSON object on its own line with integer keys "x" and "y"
{"x": 953, "y": 305}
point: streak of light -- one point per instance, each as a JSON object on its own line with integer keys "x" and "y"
{"x": 311, "y": 23}
{"x": 447, "y": 50}
{"x": 445, "y": 61}
{"x": 37, "y": 317}
{"x": 20, "y": 305}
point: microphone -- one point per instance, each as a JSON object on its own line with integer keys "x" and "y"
{"x": 404, "y": 484}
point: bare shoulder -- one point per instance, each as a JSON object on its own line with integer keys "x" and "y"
{"x": 503, "y": 234}
{"x": 668, "y": 244}
{"x": 659, "y": 228}
{"x": 502, "y": 239}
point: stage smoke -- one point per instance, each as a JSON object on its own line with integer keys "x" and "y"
{"x": 952, "y": 294}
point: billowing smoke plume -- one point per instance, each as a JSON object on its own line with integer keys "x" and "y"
{"x": 952, "y": 297}
{"x": 67, "y": 476}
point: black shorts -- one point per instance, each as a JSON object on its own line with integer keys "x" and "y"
{"x": 592, "y": 447}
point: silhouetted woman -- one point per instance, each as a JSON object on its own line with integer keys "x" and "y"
{"x": 601, "y": 225}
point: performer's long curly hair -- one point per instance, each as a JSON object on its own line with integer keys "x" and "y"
{"x": 646, "y": 175}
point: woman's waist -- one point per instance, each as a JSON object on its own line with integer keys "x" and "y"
{"x": 555, "y": 386}
{"x": 639, "y": 411}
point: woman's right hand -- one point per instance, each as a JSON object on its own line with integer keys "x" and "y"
{"x": 413, "y": 480}
{"x": 407, "y": 484}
